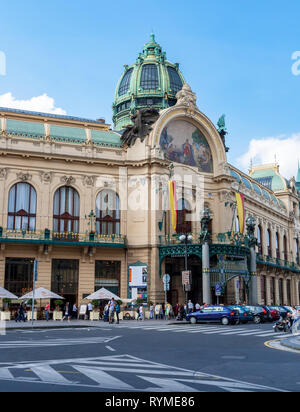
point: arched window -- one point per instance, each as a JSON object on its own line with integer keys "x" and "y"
{"x": 66, "y": 209}
{"x": 22, "y": 207}
{"x": 108, "y": 213}
{"x": 277, "y": 244}
{"x": 259, "y": 239}
{"x": 285, "y": 252}
{"x": 149, "y": 77}
{"x": 269, "y": 242}
{"x": 184, "y": 224}
{"x": 175, "y": 80}
{"x": 297, "y": 251}
{"x": 125, "y": 83}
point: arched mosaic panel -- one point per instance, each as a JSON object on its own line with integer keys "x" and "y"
{"x": 182, "y": 142}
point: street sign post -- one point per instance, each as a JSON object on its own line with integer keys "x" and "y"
{"x": 35, "y": 278}
{"x": 166, "y": 280}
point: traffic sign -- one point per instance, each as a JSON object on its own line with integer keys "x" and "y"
{"x": 186, "y": 277}
{"x": 166, "y": 278}
{"x": 166, "y": 287}
{"x": 218, "y": 289}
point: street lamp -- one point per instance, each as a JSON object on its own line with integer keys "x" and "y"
{"x": 185, "y": 238}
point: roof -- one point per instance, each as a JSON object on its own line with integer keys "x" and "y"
{"x": 67, "y": 129}
{"x": 269, "y": 176}
{"x": 49, "y": 115}
{"x": 259, "y": 188}
{"x": 152, "y": 81}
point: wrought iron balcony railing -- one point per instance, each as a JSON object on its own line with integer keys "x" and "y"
{"x": 48, "y": 237}
{"x": 279, "y": 263}
{"x": 227, "y": 238}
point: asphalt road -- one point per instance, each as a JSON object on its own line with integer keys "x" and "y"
{"x": 138, "y": 357}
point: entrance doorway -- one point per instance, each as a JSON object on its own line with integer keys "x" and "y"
{"x": 174, "y": 267}
{"x": 64, "y": 279}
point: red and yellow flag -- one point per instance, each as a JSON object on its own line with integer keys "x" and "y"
{"x": 173, "y": 204}
{"x": 240, "y": 199}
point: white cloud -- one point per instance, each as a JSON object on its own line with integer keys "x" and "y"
{"x": 286, "y": 150}
{"x": 43, "y": 103}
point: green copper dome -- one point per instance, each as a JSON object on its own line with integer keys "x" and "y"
{"x": 151, "y": 82}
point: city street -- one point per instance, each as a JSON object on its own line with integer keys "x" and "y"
{"x": 147, "y": 356}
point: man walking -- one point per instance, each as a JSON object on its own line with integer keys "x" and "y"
{"x": 190, "y": 306}
{"x": 111, "y": 314}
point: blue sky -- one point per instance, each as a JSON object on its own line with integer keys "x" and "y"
{"x": 237, "y": 57}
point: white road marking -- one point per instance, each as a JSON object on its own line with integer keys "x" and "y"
{"x": 57, "y": 342}
{"x": 165, "y": 378}
{"x": 110, "y": 348}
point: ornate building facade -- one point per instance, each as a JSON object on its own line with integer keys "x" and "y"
{"x": 96, "y": 213}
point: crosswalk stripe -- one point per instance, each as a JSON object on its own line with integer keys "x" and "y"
{"x": 48, "y": 374}
{"x": 103, "y": 379}
{"x": 240, "y": 331}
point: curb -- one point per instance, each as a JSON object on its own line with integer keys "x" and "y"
{"x": 288, "y": 343}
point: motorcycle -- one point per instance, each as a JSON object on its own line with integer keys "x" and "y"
{"x": 282, "y": 325}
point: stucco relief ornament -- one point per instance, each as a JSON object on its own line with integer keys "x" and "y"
{"x": 68, "y": 181}
{"x": 142, "y": 120}
{"x": 3, "y": 173}
{"x": 46, "y": 177}
{"x": 185, "y": 97}
{"x": 89, "y": 180}
{"x": 24, "y": 177}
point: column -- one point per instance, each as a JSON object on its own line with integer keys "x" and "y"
{"x": 206, "y": 274}
{"x": 253, "y": 274}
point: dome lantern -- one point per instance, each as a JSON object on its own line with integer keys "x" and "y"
{"x": 151, "y": 82}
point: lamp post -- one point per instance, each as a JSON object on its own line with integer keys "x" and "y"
{"x": 185, "y": 238}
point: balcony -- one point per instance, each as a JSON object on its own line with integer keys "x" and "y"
{"x": 227, "y": 238}
{"x": 278, "y": 263}
{"x": 232, "y": 244}
{"x": 48, "y": 237}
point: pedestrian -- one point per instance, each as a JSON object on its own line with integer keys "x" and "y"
{"x": 157, "y": 311}
{"x": 67, "y": 312}
{"x": 141, "y": 313}
{"x": 47, "y": 310}
{"x": 90, "y": 309}
{"x": 117, "y": 310}
{"x": 111, "y": 315}
{"x": 190, "y": 306}
{"x": 151, "y": 311}
{"x": 161, "y": 311}
{"x": 167, "y": 311}
{"x": 21, "y": 313}
{"x": 74, "y": 311}
{"x": 197, "y": 306}
{"x": 106, "y": 313}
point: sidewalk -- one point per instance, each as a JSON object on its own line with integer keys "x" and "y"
{"x": 292, "y": 343}
{"x": 42, "y": 324}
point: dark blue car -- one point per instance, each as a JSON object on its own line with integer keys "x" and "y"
{"x": 217, "y": 313}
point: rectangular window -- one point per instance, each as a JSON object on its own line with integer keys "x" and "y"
{"x": 19, "y": 275}
{"x": 64, "y": 280}
{"x": 108, "y": 275}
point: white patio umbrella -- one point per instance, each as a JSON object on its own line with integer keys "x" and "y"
{"x": 41, "y": 293}
{"x": 5, "y": 294}
{"x": 102, "y": 294}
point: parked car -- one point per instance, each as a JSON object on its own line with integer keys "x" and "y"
{"x": 281, "y": 309}
{"x": 245, "y": 314}
{"x": 273, "y": 314}
{"x": 218, "y": 313}
{"x": 259, "y": 314}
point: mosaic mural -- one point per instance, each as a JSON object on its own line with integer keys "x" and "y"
{"x": 182, "y": 142}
